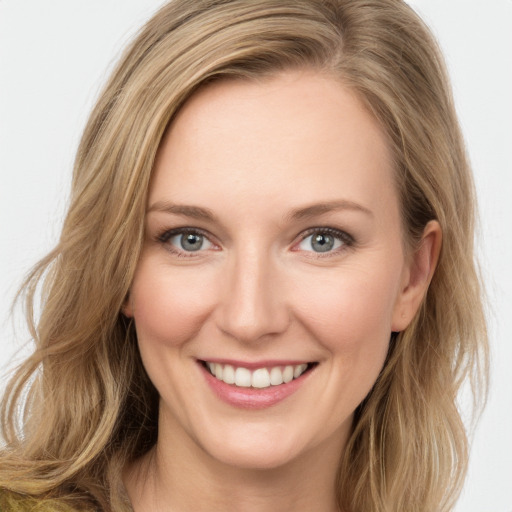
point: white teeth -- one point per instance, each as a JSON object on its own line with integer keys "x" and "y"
{"x": 243, "y": 377}
{"x": 299, "y": 370}
{"x": 259, "y": 378}
{"x": 228, "y": 375}
{"x": 288, "y": 374}
{"x": 276, "y": 376}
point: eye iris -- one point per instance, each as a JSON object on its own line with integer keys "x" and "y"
{"x": 322, "y": 242}
{"x": 191, "y": 242}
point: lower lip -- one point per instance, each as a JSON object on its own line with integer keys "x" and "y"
{"x": 253, "y": 398}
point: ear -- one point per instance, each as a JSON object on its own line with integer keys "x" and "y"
{"x": 127, "y": 308}
{"x": 417, "y": 276}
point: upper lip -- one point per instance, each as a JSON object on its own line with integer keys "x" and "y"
{"x": 253, "y": 365}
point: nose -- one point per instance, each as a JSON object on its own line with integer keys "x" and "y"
{"x": 253, "y": 305}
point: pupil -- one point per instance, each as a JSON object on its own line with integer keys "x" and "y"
{"x": 191, "y": 242}
{"x": 322, "y": 242}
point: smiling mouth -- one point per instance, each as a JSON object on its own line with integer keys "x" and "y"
{"x": 259, "y": 378}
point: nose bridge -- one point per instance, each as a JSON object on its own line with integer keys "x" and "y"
{"x": 253, "y": 305}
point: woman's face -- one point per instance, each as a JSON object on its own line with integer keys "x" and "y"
{"x": 274, "y": 259}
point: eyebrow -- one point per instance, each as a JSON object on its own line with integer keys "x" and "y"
{"x": 322, "y": 208}
{"x": 314, "y": 210}
{"x": 195, "y": 212}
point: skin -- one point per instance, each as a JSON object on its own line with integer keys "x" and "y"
{"x": 252, "y": 153}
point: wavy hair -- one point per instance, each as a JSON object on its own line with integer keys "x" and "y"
{"x": 81, "y": 405}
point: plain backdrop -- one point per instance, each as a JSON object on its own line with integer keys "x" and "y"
{"x": 54, "y": 56}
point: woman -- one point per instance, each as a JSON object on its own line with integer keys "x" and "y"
{"x": 264, "y": 295}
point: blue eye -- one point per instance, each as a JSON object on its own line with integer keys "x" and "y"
{"x": 325, "y": 240}
{"x": 185, "y": 240}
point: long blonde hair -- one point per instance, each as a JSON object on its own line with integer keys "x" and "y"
{"x": 82, "y": 405}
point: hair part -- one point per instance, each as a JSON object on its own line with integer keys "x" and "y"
{"x": 91, "y": 406}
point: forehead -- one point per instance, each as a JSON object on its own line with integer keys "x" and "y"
{"x": 297, "y": 137}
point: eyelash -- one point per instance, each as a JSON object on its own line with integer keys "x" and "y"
{"x": 346, "y": 239}
{"x": 164, "y": 238}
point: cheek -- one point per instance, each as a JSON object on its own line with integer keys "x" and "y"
{"x": 351, "y": 314}
{"x": 168, "y": 305}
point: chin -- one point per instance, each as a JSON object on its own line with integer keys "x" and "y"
{"x": 268, "y": 446}
{"x": 254, "y": 456}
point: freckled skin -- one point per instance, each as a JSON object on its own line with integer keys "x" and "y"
{"x": 251, "y": 153}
